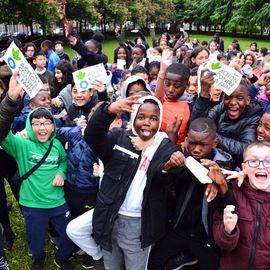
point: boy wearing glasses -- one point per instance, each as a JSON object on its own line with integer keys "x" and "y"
{"x": 243, "y": 233}
{"x": 41, "y": 194}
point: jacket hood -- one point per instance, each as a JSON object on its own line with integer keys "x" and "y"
{"x": 137, "y": 106}
{"x": 29, "y": 130}
{"x": 130, "y": 80}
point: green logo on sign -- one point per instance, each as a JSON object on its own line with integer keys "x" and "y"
{"x": 81, "y": 75}
{"x": 15, "y": 54}
{"x": 216, "y": 66}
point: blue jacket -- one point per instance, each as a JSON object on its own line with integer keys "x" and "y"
{"x": 53, "y": 59}
{"x": 80, "y": 160}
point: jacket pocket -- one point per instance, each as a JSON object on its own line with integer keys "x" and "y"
{"x": 101, "y": 215}
{"x": 246, "y": 226}
{"x": 116, "y": 166}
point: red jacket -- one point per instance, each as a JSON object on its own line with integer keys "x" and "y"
{"x": 248, "y": 247}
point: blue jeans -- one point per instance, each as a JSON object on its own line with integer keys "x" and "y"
{"x": 36, "y": 221}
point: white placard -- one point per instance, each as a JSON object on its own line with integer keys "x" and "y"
{"x": 85, "y": 77}
{"x": 121, "y": 64}
{"x": 28, "y": 78}
{"x": 198, "y": 170}
{"x": 226, "y": 78}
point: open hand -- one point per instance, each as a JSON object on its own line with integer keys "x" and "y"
{"x": 240, "y": 176}
{"x": 123, "y": 105}
{"x": 173, "y": 129}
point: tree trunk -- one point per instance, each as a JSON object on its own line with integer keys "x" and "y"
{"x": 190, "y": 26}
{"x": 31, "y": 27}
{"x": 261, "y": 34}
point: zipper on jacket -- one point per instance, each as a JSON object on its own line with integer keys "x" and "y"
{"x": 255, "y": 236}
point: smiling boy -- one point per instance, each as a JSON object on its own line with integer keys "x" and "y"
{"x": 41, "y": 193}
{"x": 243, "y": 232}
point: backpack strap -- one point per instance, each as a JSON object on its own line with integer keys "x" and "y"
{"x": 26, "y": 175}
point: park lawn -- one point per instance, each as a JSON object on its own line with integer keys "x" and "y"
{"x": 109, "y": 45}
{"x": 18, "y": 258}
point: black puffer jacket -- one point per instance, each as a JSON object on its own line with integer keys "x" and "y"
{"x": 8, "y": 109}
{"x": 75, "y": 111}
{"x": 233, "y": 135}
{"x": 121, "y": 161}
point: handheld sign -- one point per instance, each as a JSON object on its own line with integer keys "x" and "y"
{"x": 121, "y": 64}
{"x": 84, "y": 78}
{"x": 28, "y": 78}
{"x": 226, "y": 78}
{"x": 198, "y": 170}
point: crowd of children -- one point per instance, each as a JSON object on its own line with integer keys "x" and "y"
{"x": 143, "y": 209}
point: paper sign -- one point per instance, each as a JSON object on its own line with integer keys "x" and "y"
{"x": 28, "y": 78}
{"x": 198, "y": 170}
{"x": 85, "y": 77}
{"x": 226, "y": 78}
{"x": 60, "y": 115}
{"x": 121, "y": 64}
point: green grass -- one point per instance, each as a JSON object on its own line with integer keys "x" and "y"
{"x": 18, "y": 258}
{"x": 109, "y": 45}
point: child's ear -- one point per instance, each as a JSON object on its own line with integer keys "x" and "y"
{"x": 193, "y": 60}
{"x": 215, "y": 142}
{"x": 248, "y": 100}
{"x": 244, "y": 167}
{"x": 188, "y": 84}
{"x": 31, "y": 105}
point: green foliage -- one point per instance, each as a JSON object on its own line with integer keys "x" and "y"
{"x": 227, "y": 14}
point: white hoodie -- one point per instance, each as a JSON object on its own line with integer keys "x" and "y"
{"x": 132, "y": 204}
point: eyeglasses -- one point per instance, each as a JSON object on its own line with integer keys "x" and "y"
{"x": 255, "y": 163}
{"x": 39, "y": 124}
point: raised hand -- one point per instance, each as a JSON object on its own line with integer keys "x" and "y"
{"x": 166, "y": 60}
{"x": 99, "y": 86}
{"x": 173, "y": 129}
{"x": 229, "y": 218}
{"x": 15, "y": 90}
{"x": 140, "y": 144}
{"x": 216, "y": 175}
{"x": 123, "y": 105}
{"x": 264, "y": 79}
{"x": 207, "y": 80}
{"x": 240, "y": 176}
{"x": 61, "y": 8}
